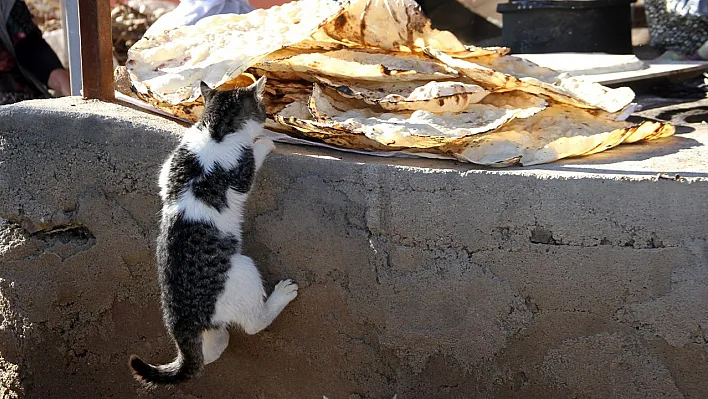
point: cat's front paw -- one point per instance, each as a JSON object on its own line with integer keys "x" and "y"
{"x": 285, "y": 290}
{"x": 264, "y": 144}
{"x": 261, "y": 148}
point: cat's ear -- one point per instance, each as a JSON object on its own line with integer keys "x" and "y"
{"x": 259, "y": 88}
{"x": 206, "y": 90}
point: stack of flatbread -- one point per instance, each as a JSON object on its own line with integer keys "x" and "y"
{"x": 373, "y": 75}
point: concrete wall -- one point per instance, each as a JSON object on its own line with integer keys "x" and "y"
{"x": 418, "y": 278}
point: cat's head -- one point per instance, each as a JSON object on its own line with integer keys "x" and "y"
{"x": 228, "y": 111}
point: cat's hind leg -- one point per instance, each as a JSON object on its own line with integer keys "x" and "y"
{"x": 214, "y": 342}
{"x": 243, "y": 300}
{"x": 283, "y": 293}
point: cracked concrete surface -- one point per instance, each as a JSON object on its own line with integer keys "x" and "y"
{"x": 420, "y": 278}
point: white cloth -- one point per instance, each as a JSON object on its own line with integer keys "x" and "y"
{"x": 695, "y": 8}
{"x": 188, "y": 12}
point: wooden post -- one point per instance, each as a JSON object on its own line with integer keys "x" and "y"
{"x": 96, "y": 49}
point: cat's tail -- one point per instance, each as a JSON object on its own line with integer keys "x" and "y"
{"x": 189, "y": 363}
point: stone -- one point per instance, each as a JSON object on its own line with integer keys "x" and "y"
{"x": 418, "y": 278}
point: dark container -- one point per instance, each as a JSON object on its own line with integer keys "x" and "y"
{"x": 603, "y": 26}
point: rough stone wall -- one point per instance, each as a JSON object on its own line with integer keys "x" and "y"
{"x": 418, "y": 278}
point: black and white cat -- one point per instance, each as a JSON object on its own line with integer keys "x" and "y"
{"x": 206, "y": 283}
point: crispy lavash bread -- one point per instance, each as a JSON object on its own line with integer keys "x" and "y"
{"x": 360, "y": 65}
{"x": 417, "y": 129}
{"x": 190, "y": 111}
{"x": 373, "y": 75}
{"x": 433, "y": 96}
{"x": 571, "y": 91}
{"x": 217, "y": 49}
{"x": 169, "y": 66}
{"x": 514, "y": 99}
{"x": 394, "y": 25}
{"x": 390, "y": 25}
{"x": 555, "y": 133}
{"x": 517, "y": 67}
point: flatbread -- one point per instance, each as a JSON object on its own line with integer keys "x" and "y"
{"x": 571, "y": 91}
{"x": 328, "y": 133}
{"x": 216, "y": 49}
{"x": 418, "y": 129}
{"x": 373, "y": 75}
{"x": 394, "y": 25}
{"x": 555, "y": 133}
{"x": 359, "y": 65}
{"x": 518, "y": 67}
{"x": 479, "y": 74}
{"x": 242, "y": 80}
{"x": 514, "y": 99}
{"x": 432, "y": 96}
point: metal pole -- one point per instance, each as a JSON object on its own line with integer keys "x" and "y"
{"x": 73, "y": 43}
